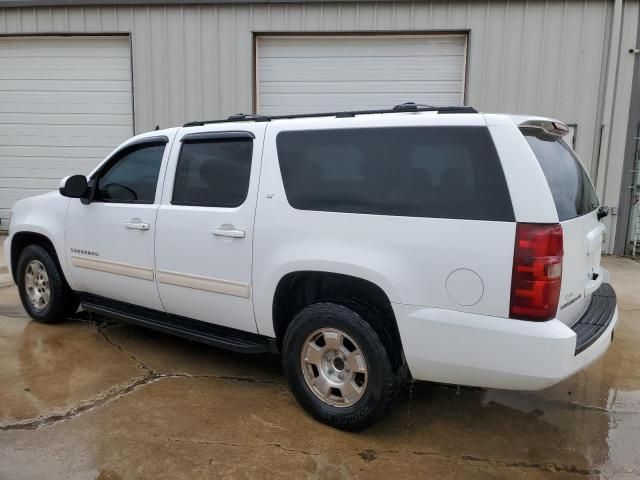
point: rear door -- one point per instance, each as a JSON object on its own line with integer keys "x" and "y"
{"x": 576, "y": 203}
{"x": 205, "y": 224}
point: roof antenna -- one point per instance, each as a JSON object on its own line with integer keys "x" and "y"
{"x": 157, "y": 127}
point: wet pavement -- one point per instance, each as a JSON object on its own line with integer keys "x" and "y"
{"x": 94, "y": 399}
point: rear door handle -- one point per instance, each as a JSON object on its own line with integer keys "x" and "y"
{"x": 137, "y": 225}
{"x": 229, "y": 232}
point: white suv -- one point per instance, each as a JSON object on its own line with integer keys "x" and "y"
{"x": 366, "y": 247}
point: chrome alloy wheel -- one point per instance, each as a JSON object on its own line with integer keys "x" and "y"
{"x": 334, "y": 367}
{"x": 36, "y": 285}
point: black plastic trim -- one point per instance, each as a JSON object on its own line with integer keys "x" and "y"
{"x": 203, "y": 332}
{"x": 405, "y": 107}
{"x": 217, "y": 136}
{"x": 597, "y": 317}
{"x": 147, "y": 141}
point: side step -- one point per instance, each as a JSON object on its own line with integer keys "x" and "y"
{"x": 203, "y": 332}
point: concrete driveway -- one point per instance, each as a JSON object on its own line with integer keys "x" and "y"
{"x": 91, "y": 399}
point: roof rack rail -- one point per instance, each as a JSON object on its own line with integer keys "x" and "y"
{"x": 404, "y": 107}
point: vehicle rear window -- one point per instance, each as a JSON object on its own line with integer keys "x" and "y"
{"x": 440, "y": 172}
{"x": 570, "y": 186}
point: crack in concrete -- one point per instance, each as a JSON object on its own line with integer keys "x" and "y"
{"x": 545, "y": 467}
{"x": 208, "y": 442}
{"x": 294, "y": 450}
{"x": 106, "y": 324}
{"x": 235, "y": 378}
{"x": 113, "y": 395}
{"x": 77, "y": 410}
{"x": 370, "y": 455}
{"x": 116, "y": 393}
{"x": 152, "y": 376}
{"x": 582, "y": 406}
{"x": 228, "y": 378}
{"x": 241, "y": 445}
{"x": 101, "y": 330}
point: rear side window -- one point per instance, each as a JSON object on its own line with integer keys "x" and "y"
{"x": 213, "y": 173}
{"x": 570, "y": 186}
{"x": 440, "y": 172}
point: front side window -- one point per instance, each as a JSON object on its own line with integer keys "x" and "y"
{"x": 213, "y": 173}
{"x": 570, "y": 186}
{"x": 439, "y": 172}
{"x": 133, "y": 177}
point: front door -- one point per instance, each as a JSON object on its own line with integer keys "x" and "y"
{"x": 205, "y": 225}
{"x": 110, "y": 241}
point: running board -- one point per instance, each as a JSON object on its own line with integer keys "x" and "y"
{"x": 203, "y": 332}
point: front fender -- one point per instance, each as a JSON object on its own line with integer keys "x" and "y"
{"x": 44, "y": 215}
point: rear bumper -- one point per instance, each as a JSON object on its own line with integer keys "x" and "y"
{"x": 478, "y": 350}
{"x": 596, "y": 319}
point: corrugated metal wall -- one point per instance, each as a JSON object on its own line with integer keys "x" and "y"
{"x": 194, "y": 62}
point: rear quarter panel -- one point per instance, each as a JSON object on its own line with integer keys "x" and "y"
{"x": 409, "y": 258}
{"x": 530, "y": 195}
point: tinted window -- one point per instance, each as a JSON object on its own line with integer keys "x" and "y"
{"x": 570, "y": 186}
{"x": 442, "y": 172}
{"x": 213, "y": 173}
{"x": 132, "y": 178}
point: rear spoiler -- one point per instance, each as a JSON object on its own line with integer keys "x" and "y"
{"x": 551, "y": 127}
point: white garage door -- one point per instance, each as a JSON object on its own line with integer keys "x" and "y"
{"x": 321, "y": 74}
{"x": 65, "y": 102}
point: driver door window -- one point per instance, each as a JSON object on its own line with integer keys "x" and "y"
{"x": 132, "y": 178}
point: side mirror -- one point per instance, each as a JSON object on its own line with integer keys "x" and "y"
{"x": 74, "y": 186}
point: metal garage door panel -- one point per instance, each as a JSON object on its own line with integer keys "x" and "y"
{"x": 308, "y": 74}
{"x": 65, "y": 102}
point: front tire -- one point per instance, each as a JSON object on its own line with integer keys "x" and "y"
{"x": 43, "y": 290}
{"x": 337, "y": 366}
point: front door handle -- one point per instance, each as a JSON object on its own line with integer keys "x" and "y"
{"x": 229, "y": 232}
{"x": 137, "y": 225}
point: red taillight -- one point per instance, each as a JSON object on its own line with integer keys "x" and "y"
{"x": 537, "y": 271}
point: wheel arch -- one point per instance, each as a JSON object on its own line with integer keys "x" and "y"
{"x": 21, "y": 239}
{"x": 298, "y": 289}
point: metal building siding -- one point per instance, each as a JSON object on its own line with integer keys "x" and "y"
{"x": 192, "y": 62}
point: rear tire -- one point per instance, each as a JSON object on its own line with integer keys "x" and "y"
{"x": 43, "y": 290}
{"x": 337, "y": 367}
